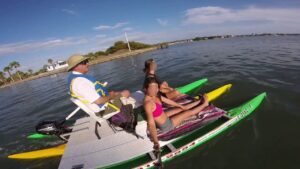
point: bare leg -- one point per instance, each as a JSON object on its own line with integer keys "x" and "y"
{"x": 173, "y": 94}
{"x": 170, "y": 92}
{"x": 178, "y": 110}
{"x": 174, "y": 111}
{"x": 177, "y": 119}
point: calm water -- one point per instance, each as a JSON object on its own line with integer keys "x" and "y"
{"x": 267, "y": 139}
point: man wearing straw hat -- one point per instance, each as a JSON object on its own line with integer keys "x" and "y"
{"x": 90, "y": 91}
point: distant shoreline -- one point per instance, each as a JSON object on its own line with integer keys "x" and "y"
{"x": 114, "y": 56}
{"x": 92, "y": 62}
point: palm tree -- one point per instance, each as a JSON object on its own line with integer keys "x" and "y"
{"x": 50, "y": 61}
{"x": 15, "y": 65}
{"x": 44, "y": 69}
{"x": 8, "y": 69}
{"x": 2, "y": 77}
{"x": 30, "y": 71}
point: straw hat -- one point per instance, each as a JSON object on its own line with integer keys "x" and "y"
{"x": 75, "y": 60}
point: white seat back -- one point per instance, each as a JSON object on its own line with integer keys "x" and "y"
{"x": 90, "y": 112}
{"x": 136, "y": 100}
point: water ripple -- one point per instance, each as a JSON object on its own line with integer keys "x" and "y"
{"x": 252, "y": 64}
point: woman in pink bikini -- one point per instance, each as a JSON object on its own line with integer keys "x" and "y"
{"x": 166, "y": 121}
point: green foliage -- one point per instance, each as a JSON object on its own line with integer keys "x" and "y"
{"x": 30, "y": 71}
{"x": 119, "y": 45}
{"x": 19, "y": 75}
{"x": 138, "y": 45}
{"x": 1, "y": 74}
{"x": 15, "y": 65}
{"x": 100, "y": 53}
{"x": 2, "y": 77}
{"x": 42, "y": 70}
{"x": 208, "y": 38}
{"x": 50, "y": 61}
{"x": 23, "y": 74}
{"x": 90, "y": 55}
{"x": 8, "y": 69}
{"x": 111, "y": 50}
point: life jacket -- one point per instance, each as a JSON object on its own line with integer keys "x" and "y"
{"x": 99, "y": 87}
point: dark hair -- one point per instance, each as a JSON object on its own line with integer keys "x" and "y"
{"x": 148, "y": 81}
{"x": 147, "y": 65}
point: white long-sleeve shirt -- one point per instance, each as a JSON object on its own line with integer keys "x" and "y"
{"x": 85, "y": 89}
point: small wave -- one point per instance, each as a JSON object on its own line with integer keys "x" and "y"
{"x": 280, "y": 82}
{"x": 261, "y": 82}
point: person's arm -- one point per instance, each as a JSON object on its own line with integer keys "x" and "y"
{"x": 148, "y": 106}
{"x": 165, "y": 88}
{"x": 102, "y": 100}
{"x": 112, "y": 95}
{"x": 123, "y": 93}
{"x": 164, "y": 84}
{"x": 172, "y": 103}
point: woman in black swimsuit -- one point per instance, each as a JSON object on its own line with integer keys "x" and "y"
{"x": 165, "y": 89}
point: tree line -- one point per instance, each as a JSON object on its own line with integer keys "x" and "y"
{"x": 11, "y": 72}
{"x": 118, "y": 46}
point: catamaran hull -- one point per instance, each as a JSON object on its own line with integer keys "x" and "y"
{"x": 123, "y": 155}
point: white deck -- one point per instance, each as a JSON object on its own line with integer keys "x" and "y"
{"x": 86, "y": 150}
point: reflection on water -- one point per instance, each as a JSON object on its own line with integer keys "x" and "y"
{"x": 252, "y": 65}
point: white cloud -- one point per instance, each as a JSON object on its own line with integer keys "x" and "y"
{"x": 270, "y": 20}
{"x": 162, "y": 22}
{"x": 217, "y": 15}
{"x": 104, "y": 43}
{"x": 127, "y": 29}
{"x": 108, "y": 27}
{"x": 154, "y": 37}
{"x": 101, "y": 36}
{"x": 110, "y": 40}
{"x": 39, "y": 45}
{"x": 68, "y": 11}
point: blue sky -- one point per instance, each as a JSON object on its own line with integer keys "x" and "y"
{"x": 33, "y": 31}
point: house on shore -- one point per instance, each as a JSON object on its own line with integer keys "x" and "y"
{"x": 57, "y": 65}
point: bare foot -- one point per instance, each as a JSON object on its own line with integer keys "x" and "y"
{"x": 205, "y": 103}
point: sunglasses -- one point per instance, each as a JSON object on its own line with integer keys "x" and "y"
{"x": 84, "y": 62}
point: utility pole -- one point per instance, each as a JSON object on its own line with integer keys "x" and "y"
{"x": 127, "y": 42}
